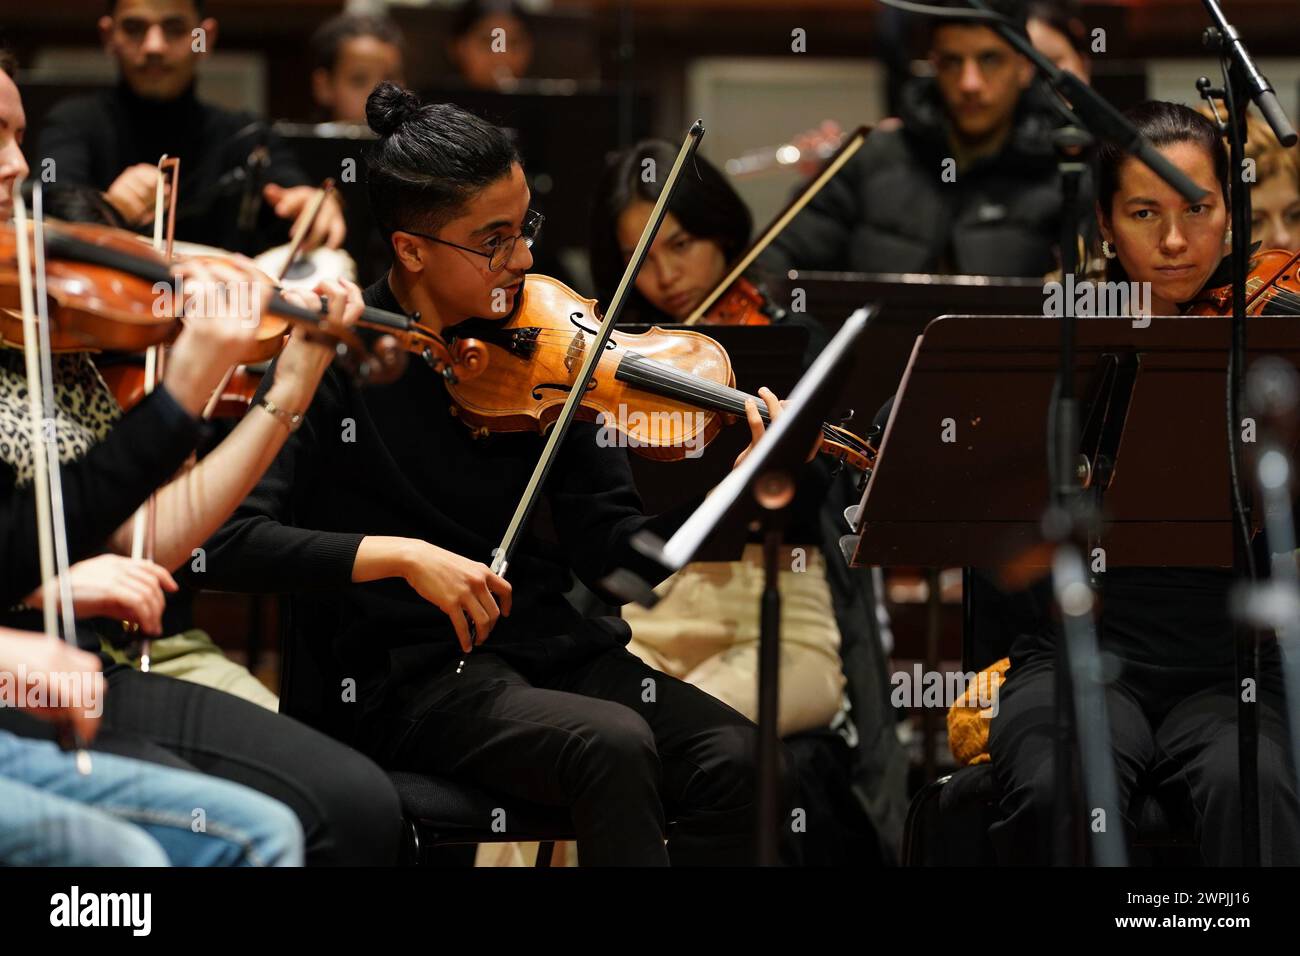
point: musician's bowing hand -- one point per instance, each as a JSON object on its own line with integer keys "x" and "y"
{"x": 465, "y": 590}
{"x": 757, "y": 427}
{"x": 126, "y": 589}
{"x": 294, "y": 202}
{"x": 48, "y": 665}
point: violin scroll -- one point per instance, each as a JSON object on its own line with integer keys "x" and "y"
{"x": 469, "y": 360}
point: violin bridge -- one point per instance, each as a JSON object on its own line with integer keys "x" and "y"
{"x": 573, "y": 357}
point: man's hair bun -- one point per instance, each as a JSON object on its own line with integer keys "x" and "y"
{"x": 389, "y": 106}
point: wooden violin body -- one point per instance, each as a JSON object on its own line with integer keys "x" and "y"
{"x": 107, "y": 290}
{"x": 126, "y": 381}
{"x": 668, "y": 393}
{"x": 1272, "y": 287}
{"x": 742, "y": 304}
{"x": 533, "y": 357}
{"x": 92, "y": 305}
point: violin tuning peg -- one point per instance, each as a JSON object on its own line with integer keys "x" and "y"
{"x": 846, "y": 418}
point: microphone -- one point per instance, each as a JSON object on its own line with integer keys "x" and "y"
{"x": 250, "y": 203}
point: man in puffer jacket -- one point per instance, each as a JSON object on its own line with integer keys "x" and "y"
{"x": 966, "y": 183}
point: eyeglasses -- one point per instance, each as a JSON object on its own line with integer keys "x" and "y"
{"x": 503, "y": 250}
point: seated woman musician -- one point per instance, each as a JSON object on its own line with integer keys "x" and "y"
{"x": 1172, "y": 706}
{"x": 110, "y": 464}
{"x": 380, "y": 513}
{"x": 705, "y": 627}
{"x": 187, "y": 652}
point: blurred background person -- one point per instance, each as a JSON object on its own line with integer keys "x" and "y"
{"x": 354, "y": 53}
{"x": 1275, "y": 190}
{"x": 491, "y": 43}
{"x": 112, "y": 139}
{"x": 835, "y": 717}
{"x": 1058, "y": 33}
{"x": 967, "y": 184}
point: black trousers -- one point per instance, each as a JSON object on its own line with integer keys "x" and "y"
{"x": 623, "y": 745}
{"x": 349, "y": 811}
{"x": 1170, "y": 736}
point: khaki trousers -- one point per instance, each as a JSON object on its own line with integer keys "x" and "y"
{"x": 705, "y": 629}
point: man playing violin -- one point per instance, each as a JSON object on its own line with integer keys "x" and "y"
{"x": 379, "y": 514}
{"x": 112, "y": 139}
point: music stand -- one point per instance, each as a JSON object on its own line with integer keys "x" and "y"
{"x": 908, "y": 302}
{"x": 764, "y": 479}
{"x": 970, "y": 488}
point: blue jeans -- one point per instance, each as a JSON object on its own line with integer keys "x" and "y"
{"x": 131, "y": 813}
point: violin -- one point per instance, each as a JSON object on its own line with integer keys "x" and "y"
{"x": 1272, "y": 288}
{"x": 667, "y": 392}
{"x": 744, "y": 303}
{"x": 102, "y": 290}
{"x": 236, "y": 392}
{"x": 126, "y": 381}
{"x": 99, "y": 287}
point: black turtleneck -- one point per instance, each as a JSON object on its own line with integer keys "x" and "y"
{"x": 93, "y": 138}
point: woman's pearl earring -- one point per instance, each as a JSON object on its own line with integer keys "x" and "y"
{"x": 1227, "y": 237}
{"x": 1107, "y": 249}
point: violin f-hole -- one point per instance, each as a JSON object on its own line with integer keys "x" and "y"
{"x": 537, "y": 389}
{"x": 576, "y": 319}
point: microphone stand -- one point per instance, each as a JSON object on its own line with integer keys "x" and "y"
{"x": 1066, "y": 522}
{"x": 766, "y": 477}
{"x": 1241, "y": 78}
{"x": 1274, "y": 397}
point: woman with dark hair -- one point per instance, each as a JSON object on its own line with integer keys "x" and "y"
{"x": 353, "y": 53}
{"x": 383, "y": 506}
{"x": 705, "y": 627}
{"x": 1172, "y": 706}
{"x": 706, "y": 227}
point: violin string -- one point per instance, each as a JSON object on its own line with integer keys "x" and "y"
{"x": 650, "y": 372}
{"x": 652, "y": 375}
{"x": 1290, "y": 298}
{"x": 647, "y": 372}
{"x": 732, "y": 400}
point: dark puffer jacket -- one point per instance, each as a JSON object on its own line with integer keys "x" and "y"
{"x": 889, "y": 209}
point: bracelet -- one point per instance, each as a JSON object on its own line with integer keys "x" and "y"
{"x": 290, "y": 420}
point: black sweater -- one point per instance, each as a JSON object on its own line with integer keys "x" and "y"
{"x": 93, "y": 138}
{"x": 392, "y": 460}
{"x": 100, "y": 491}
